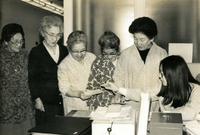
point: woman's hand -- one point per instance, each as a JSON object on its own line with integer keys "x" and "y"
{"x": 39, "y": 105}
{"x": 84, "y": 96}
{"x": 116, "y": 98}
{"x": 110, "y": 86}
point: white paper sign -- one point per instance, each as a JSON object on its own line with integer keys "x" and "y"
{"x": 183, "y": 49}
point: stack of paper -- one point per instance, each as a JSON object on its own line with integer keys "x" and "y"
{"x": 111, "y": 112}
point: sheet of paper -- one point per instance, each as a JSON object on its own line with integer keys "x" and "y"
{"x": 192, "y": 127}
{"x": 113, "y": 111}
{"x": 125, "y": 111}
{"x": 92, "y": 92}
{"x": 183, "y": 49}
{"x": 99, "y": 113}
{"x": 102, "y": 113}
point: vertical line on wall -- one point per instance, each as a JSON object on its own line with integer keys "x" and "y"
{"x": 68, "y": 18}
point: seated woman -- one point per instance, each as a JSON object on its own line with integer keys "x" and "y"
{"x": 73, "y": 72}
{"x": 103, "y": 68}
{"x": 179, "y": 91}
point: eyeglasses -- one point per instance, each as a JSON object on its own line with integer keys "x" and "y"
{"x": 17, "y": 42}
{"x": 112, "y": 54}
{"x": 52, "y": 35}
{"x": 77, "y": 52}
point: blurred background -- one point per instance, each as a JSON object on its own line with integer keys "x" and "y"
{"x": 178, "y": 21}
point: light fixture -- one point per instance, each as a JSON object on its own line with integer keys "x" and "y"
{"x": 46, "y": 5}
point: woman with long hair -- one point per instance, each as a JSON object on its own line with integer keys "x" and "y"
{"x": 179, "y": 91}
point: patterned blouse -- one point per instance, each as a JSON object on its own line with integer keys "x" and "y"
{"x": 15, "y": 100}
{"x": 132, "y": 73}
{"x": 102, "y": 71}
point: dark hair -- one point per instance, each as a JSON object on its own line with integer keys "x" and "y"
{"x": 144, "y": 25}
{"x": 76, "y": 37}
{"x": 109, "y": 40}
{"x": 10, "y": 30}
{"x": 178, "y": 77}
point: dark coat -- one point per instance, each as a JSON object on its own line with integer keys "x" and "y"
{"x": 42, "y": 74}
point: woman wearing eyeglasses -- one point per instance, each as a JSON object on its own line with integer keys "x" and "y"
{"x": 179, "y": 92}
{"x": 43, "y": 63}
{"x": 16, "y": 107}
{"x": 102, "y": 70}
{"x": 73, "y": 72}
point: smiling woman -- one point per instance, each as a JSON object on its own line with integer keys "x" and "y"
{"x": 16, "y": 107}
{"x": 16, "y": 43}
{"x": 102, "y": 70}
{"x": 73, "y": 77}
{"x": 77, "y": 44}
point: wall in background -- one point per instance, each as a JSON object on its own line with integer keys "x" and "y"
{"x": 96, "y": 16}
{"x": 178, "y": 21}
{"x": 15, "y": 11}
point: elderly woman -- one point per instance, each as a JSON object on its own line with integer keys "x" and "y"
{"x": 43, "y": 64}
{"x": 138, "y": 65}
{"x": 103, "y": 68}
{"x": 73, "y": 72}
{"x": 16, "y": 106}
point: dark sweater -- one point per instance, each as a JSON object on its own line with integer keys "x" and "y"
{"x": 144, "y": 54}
{"x": 42, "y": 69}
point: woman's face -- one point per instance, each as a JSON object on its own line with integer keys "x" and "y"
{"x": 110, "y": 54}
{"x": 142, "y": 42}
{"x": 78, "y": 51}
{"x": 52, "y": 35}
{"x": 162, "y": 77}
{"x": 15, "y": 43}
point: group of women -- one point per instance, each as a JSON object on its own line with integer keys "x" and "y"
{"x": 52, "y": 73}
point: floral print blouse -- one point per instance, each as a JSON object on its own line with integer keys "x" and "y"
{"x": 102, "y": 71}
{"x": 15, "y": 99}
